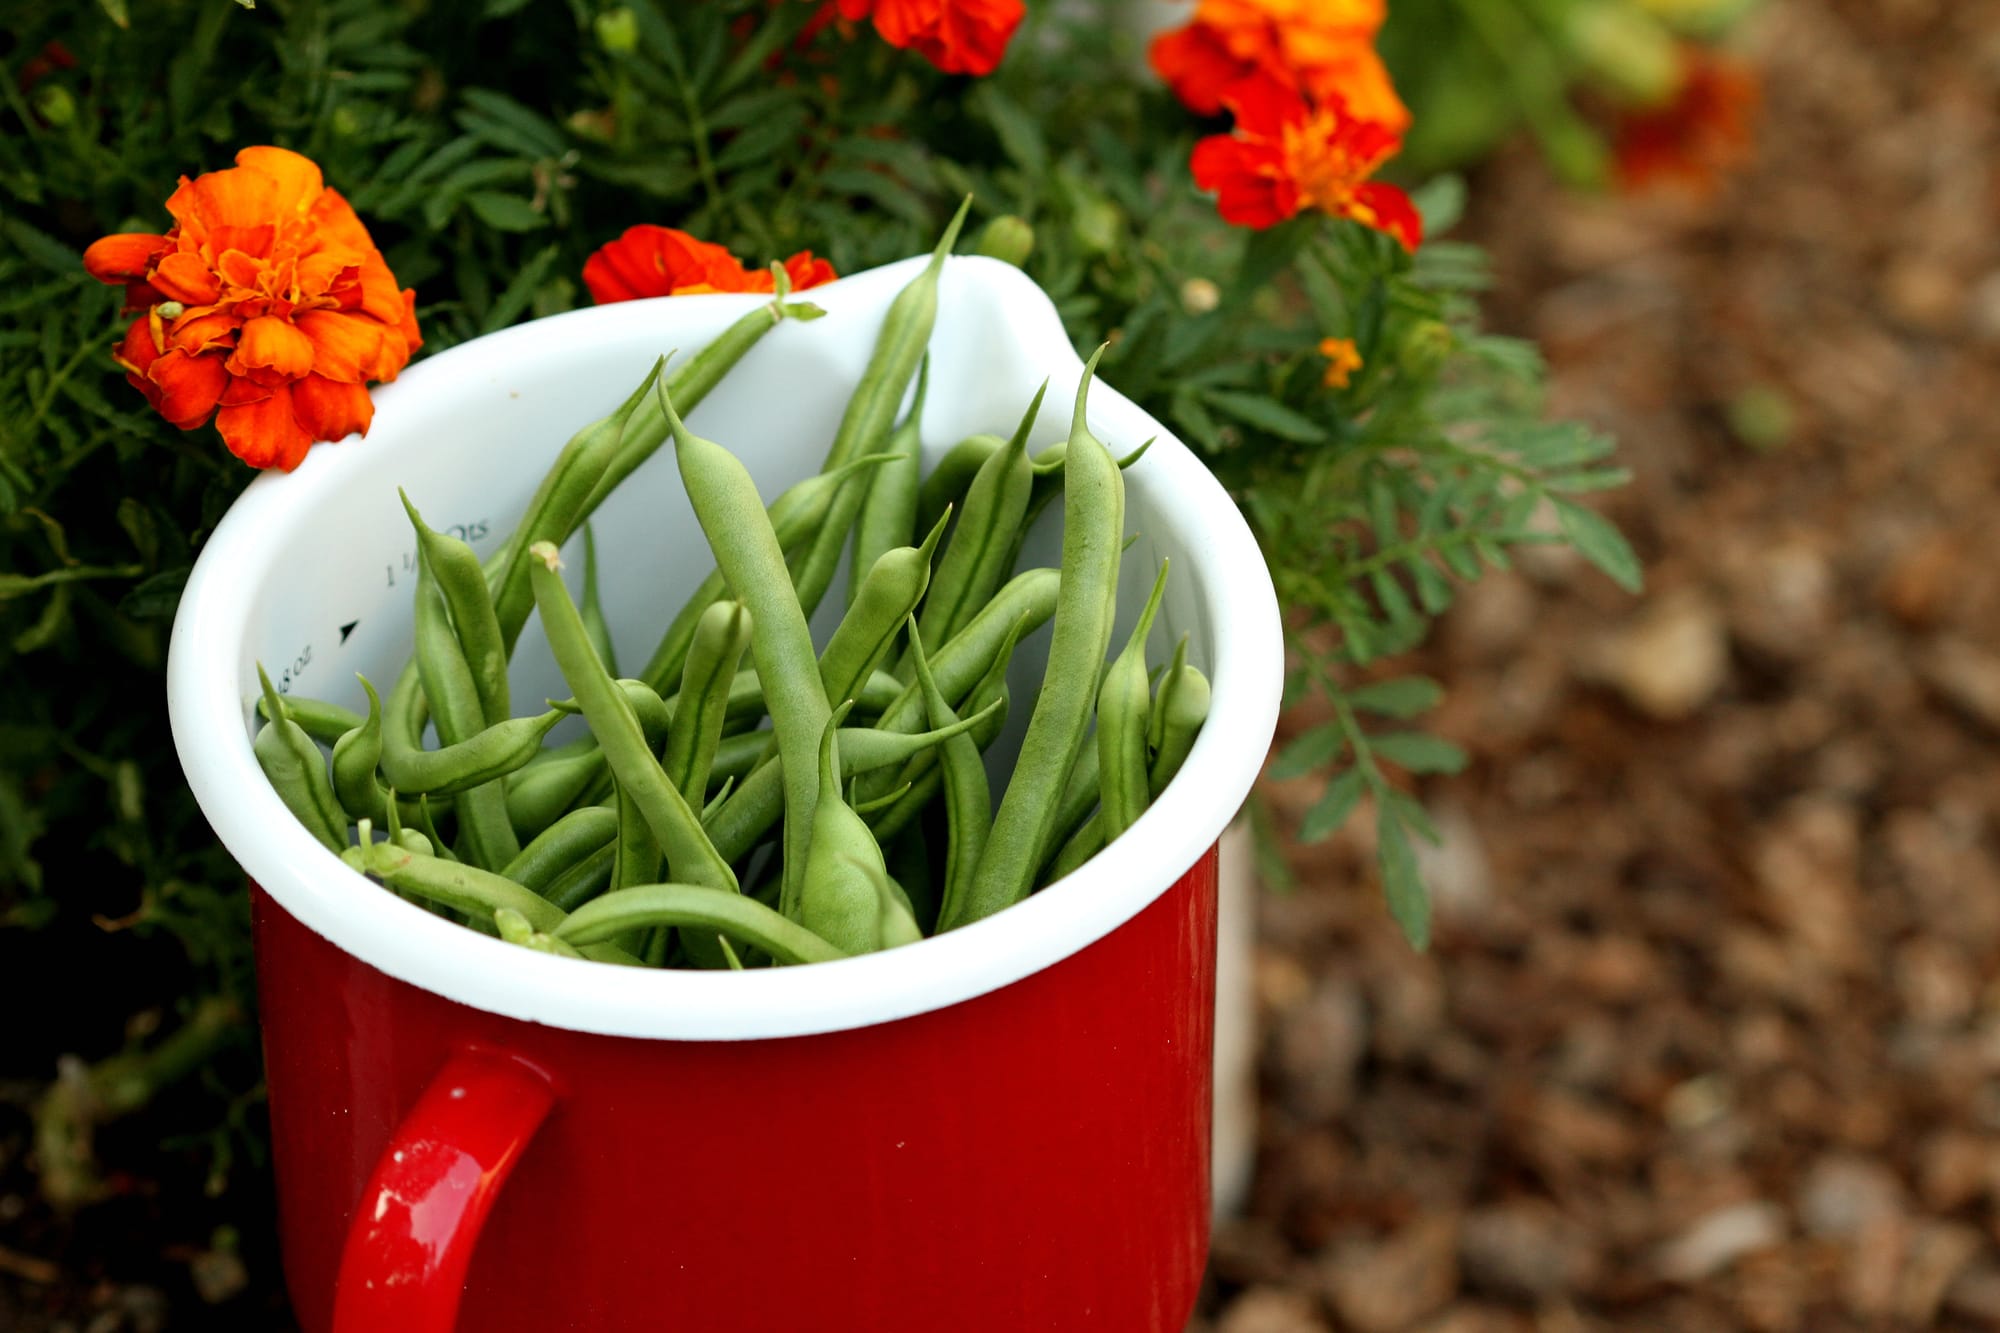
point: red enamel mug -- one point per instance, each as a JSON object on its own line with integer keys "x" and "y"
{"x": 1000, "y": 1129}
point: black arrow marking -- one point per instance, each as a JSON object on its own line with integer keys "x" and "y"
{"x": 347, "y": 629}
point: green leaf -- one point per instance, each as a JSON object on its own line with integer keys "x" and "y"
{"x": 45, "y": 250}
{"x": 1405, "y": 697}
{"x": 1309, "y": 751}
{"x": 504, "y": 212}
{"x": 158, "y": 597}
{"x": 1020, "y": 135}
{"x": 504, "y": 122}
{"x": 1409, "y": 901}
{"x": 1267, "y": 414}
{"x": 1333, "y": 807}
{"x": 1418, "y": 751}
{"x": 1601, "y": 544}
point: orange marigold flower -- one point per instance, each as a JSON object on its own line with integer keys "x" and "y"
{"x": 266, "y": 306}
{"x": 1324, "y": 48}
{"x": 958, "y": 36}
{"x": 665, "y": 261}
{"x": 1698, "y": 136}
{"x": 1343, "y": 358}
{"x": 1286, "y": 156}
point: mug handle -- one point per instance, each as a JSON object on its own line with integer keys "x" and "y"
{"x": 414, "y": 1229}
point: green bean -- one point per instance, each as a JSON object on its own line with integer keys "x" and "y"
{"x": 469, "y": 606}
{"x": 947, "y": 483}
{"x": 758, "y": 802}
{"x": 972, "y": 567}
{"x": 1156, "y": 719}
{"x": 412, "y": 841}
{"x": 837, "y": 899}
{"x": 1093, "y": 533}
{"x": 324, "y": 722}
{"x": 442, "y": 849}
{"x": 513, "y": 927}
{"x": 987, "y": 706}
{"x": 1079, "y": 798}
{"x": 889, "y": 512}
{"x": 1085, "y": 843}
{"x": 543, "y": 942}
{"x": 719, "y": 644}
{"x": 638, "y": 853}
{"x": 561, "y": 502}
{"x": 899, "y": 347}
{"x": 1124, "y": 707}
{"x": 355, "y": 757}
{"x": 796, "y": 517}
{"x": 862, "y": 749}
{"x": 656, "y": 715}
{"x": 747, "y": 551}
{"x": 968, "y": 799}
{"x": 585, "y": 879}
{"x": 1019, "y": 608}
{"x": 894, "y": 585}
{"x": 616, "y": 725}
{"x": 478, "y": 893}
{"x": 539, "y": 795}
{"x": 562, "y": 845}
{"x": 1184, "y": 696}
{"x": 293, "y": 763}
{"x": 491, "y": 753}
{"x": 592, "y": 608}
{"x": 456, "y": 710}
{"x": 1048, "y": 485}
{"x": 696, "y": 907}
{"x": 895, "y": 919}
{"x": 691, "y": 382}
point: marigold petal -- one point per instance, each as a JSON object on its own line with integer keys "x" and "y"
{"x": 189, "y": 386}
{"x": 204, "y": 329}
{"x": 649, "y": 260}
{"x": 185, "y": 278}
{"x": 806, "y": 271}
{"x": 139, "y": 295}
{"x": 380, "y": 297}
{"x": 1386, "y": 208}
{"x": 329, "y": 410}
{"x": 137, "y": 351}
{"x": 259, "y": 426}
{"x": 1360, "y": 79}
{"x": 334, "y": 222}
{"x": 351, "y": 348}
{"x": 242, "y": 271}
{"x": 124, "y": 257}
{"x": 296, "y": 182}
{"x": 1264, "y": 105}
{"x": 271, "y": 350}
{"x": 1251, "y": 188}
{"x": 1196, "y": 66}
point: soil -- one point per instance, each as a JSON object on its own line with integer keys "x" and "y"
{"x": 1709, "y": 1038}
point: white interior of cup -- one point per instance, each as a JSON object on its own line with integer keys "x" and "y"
{"x": 310, "y": 574}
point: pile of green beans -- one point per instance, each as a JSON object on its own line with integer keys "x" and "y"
{"x": 752, "y": 799}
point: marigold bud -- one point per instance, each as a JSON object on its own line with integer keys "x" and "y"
{"x": 618, "y": 31}
{"x": 1199, "y": 296}
{"x": 1006, "y": 238}
{"x": 1425, "y": 346}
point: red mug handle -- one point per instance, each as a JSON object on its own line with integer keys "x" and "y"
{"x": 413, "y": 1231}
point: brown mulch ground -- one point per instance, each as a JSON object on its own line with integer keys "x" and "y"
{"x": 1710, "y": 1038}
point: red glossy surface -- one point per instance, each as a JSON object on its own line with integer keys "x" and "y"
{"x": 1034, "y": 1158}
{"x": 421, "y": 1212}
